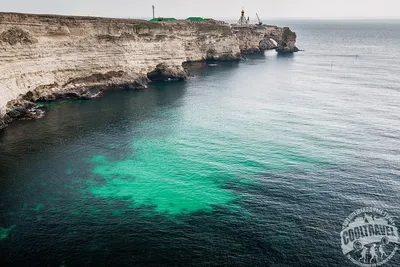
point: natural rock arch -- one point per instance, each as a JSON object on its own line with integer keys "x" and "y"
{"x": 254, "y": 39}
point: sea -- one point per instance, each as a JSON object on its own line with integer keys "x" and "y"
{"x": 250, "y": 163}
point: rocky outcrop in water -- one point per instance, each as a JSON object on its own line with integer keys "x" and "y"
{"x": 46, "y": 57}
{"x": 287, "y": 41}
{"x": 257, "y": 39}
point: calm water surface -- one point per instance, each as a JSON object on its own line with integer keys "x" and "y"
{"x": 255, "y": 163}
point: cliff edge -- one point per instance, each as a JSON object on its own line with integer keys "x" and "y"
{"x": 46, "y": 57}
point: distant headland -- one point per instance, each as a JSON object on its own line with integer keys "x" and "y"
{"x": 48, "y": 57}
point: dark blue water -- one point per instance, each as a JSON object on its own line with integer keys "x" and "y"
{"x": 256, "y": 163}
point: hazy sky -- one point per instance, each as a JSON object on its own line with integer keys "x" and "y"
{"x": 211, "y": 8}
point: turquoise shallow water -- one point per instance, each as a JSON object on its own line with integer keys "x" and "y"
{"x": 254, "y": 163}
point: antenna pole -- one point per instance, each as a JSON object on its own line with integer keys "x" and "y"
{"x": 153, "y": 11}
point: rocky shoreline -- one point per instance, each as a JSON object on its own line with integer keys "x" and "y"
{"x": 48, "y": 57}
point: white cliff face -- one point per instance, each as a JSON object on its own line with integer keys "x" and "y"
{"x": 37, "y": 51}
{"x": 43, "y": 56}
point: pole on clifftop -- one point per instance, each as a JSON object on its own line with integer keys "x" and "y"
{"x": 153, "y": 11}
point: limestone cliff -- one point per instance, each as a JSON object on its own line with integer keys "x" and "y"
{"x": 45, "y": 57}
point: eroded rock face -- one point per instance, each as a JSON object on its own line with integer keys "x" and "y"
{"x": 46, "y": 57}
{"x": 16, "y": 35}
{"x": 268, "y": 44}
{"x": 213, "y": 55}
{"x": 165, "y": 72}
{"x": 287, "y": 42}
{"x": 86, "y": 87}
{"x": 22, "y": 109}
{"x": 249, "y": 39}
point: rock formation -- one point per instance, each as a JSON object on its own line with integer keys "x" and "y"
{"x": 165, "y": 72}
{"x": 287, "y": 41}
{"x": 47, "y": 57}
{"x": 256, "y": 39}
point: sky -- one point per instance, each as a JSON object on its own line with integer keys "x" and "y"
{"x": 310, "y": 9}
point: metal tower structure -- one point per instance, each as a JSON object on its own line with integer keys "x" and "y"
{"x": 259, "y": 21}
{"x": 153, "y": 11}
{"x": 243, "y": 20}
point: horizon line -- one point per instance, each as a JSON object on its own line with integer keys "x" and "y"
{"x": 219, "y": 18}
